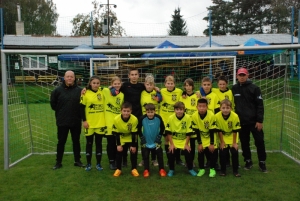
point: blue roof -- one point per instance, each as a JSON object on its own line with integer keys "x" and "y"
{"x": 254, "y": 42}
{"x": 214, "y": 44}
{"x": 165, "y": 45}
{"x": 80, "y": 57}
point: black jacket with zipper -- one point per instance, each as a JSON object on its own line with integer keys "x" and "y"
{"x": 248, "y": 103}
{"x": 65, "y": 101}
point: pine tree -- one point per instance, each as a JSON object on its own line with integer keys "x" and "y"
{"x": 177, "y": 25}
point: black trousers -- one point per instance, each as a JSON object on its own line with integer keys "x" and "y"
{"x": 258, "y": 136}
{"x": 133, "y": 157}
{"x": 89, "y": 147}
{"x": 159, "y": 152}
{"x": 193, "y": 147}
{"x": 62, "y": 136}
{"x": 111, "y": 148}
{"x": 212, "y": 157}
{"x": 187, "y": 155}
{"x": 234, "y": 158}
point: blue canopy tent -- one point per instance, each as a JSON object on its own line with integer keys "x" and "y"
{"x": 254, "y": 42}
{"x": 167, "y": 45}
{"x": 80, "y": 57}
{"x": 214, "y": 44}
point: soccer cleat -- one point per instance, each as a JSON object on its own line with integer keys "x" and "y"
{"x": 193, "y": 173}
{"x": 146, "y": 173}
{"x": 262, "y": 166}
{"x": 212, "y": 172}
{"x": 57, "y": 166}
{"x": 170, "y": 173}
{"x": 99, "y": 167}
{"x": 79, "y": 164}
{"x": 112, "y": 166}
{"x": 248, "y": 164}
{"x": 236, "y": 174}
{"x": 201, "y": 172}
{"x": 88, "y": 167}
{"x": 162, "y": 173}
{"x": 135, "y": 173}
{"x": 141, "y": 163}
{"x": 154, "y": 163}
{"x": 117, "y": 173}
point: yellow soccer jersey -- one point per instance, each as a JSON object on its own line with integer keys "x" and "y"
{"x": 212, "y": 100}
{"x": 94, "y": 108}
{"x": 228, "y": 126}
{"x": 112, "y": 108}
{"x": 148, "y": 97}
{"x": 125, "y": 128}
{"x": 190, "y": 103}
{"x": 169, "y": 98}
{"x": 224, "y": 95}
{"x": 204, "y": 125}
{"x": 179, "y": 129}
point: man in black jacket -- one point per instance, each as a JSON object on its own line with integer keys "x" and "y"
{"x": 65, "y": 101}
{"x": 249, "y": 106}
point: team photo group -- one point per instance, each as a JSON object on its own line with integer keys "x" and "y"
{"x": 134, "y": 117}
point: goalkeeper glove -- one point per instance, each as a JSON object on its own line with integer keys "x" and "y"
{"x": 113, "y": 91}
{"x": 158, "y": 97}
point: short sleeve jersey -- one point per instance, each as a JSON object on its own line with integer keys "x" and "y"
{"x": 228, "y": 126}
{"x": 213, "y": 101}
{"x": 204, "y": 125}
{"x": 179, "y": 129}
{"x": 169, "y": 98}
{"x": 227, "y": 94}
{"x": 148, "y": 97}
{"x": 125, "y": 128}
{"x": 112, "y": 107}
{"x": 94, "y": 108}
{"x": 190, "y": 103}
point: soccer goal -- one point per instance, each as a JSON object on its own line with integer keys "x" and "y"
{"x": 29, "y": 76}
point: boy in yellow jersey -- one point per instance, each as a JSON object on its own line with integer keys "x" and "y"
{"x": 189, "y": 98}
{"x": 125, "y": 130}
{"x": 179, "y": 129}
{"x": 213, "y": 104}
{"x": 92, "y": 114}
{"x": 228, "y": 124}
{"x": 170, "y": 95}
{"x": 113, "y": 101}
{"x": 149, "y": 95}
{"x": 204, "y": 125}
{"x": 223, "y": 92}
{"x": 150, "y": 129}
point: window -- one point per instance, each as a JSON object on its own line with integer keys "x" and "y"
{"x": 284, "y": 59}
{"x": 34, "y": 62}
{"x": 105, "y": 63}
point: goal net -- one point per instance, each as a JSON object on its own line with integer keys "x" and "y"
{"x": 29, "y": 77}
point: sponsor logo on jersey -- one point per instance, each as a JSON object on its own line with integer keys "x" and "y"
{"x": 99, "y": 97}
{"x": 129, "y": 126}
{"x": 118, "y": 101}
{"x": 174, "y": 97}
{"x": 206, "y": 124}
{"x": 193, "y": 102}
{"x": 229, "y": 124}
{"x": 183, "y": 125}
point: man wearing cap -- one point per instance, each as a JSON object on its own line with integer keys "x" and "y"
{"x": 249, "y": 106}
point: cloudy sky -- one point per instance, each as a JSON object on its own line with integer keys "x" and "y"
{"x": 139, "y": 17}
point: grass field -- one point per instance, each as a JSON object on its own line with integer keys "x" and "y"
{"x": 33, "y": 178}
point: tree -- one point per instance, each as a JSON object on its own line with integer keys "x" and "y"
{"x": 39, "y": 16}
{"x": 221, "y": 12}
{"x": 177, "y": 25}
{"x": 82, "y": 23}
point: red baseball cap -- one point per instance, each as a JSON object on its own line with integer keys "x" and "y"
{"x": 242, "y": 71}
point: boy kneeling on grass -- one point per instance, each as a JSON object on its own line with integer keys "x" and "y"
{"x": 228, "y": 124}
{"x": 150, "y": 129}
{"x": 125, "y": 130}
{"x": 179, "y": 129}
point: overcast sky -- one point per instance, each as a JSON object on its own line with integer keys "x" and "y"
{"x": 139, "y": 17}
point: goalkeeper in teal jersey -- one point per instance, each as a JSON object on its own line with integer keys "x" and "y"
{"x": 228, "y": 124}
{"x": 151, "y": 129}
